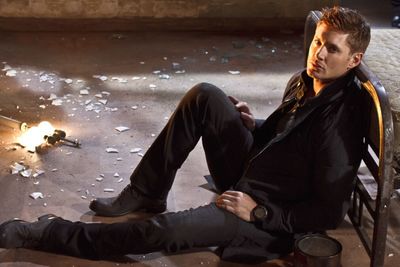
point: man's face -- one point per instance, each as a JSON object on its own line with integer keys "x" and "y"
{"x": 329, "y": 55}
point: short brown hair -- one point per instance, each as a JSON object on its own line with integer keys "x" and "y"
{"x": 350, "y": 22}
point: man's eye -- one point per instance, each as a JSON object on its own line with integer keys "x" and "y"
{"x": 317, "y": 42}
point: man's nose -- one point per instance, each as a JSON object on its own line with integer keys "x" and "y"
{"x": 321, "y": 52}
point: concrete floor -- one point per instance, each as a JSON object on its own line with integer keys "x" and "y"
{"x": 65, "y": 63}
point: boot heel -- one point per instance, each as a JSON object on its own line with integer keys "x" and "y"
{"x": 156, "y": 209}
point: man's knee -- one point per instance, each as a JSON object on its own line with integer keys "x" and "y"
{"x": 205, "y": 91}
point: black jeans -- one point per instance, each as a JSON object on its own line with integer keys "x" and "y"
{"x": 206, "y": 112}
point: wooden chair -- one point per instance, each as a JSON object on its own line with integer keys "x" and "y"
{"x": 377, "y": 157}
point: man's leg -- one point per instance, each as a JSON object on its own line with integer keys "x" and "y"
{"x": 205, "y": 111}
{"x": 171, "y": 232}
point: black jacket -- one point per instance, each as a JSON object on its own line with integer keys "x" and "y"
{"x": 305, "y": 175}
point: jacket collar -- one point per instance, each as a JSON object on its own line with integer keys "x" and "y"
{"x": 331, "y": 92}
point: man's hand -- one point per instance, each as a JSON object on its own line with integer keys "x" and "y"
{"x": 238, "y": 203}
{"x": 245, "y": 114}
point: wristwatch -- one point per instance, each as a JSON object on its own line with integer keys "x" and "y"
{"x": 259, "y": 213}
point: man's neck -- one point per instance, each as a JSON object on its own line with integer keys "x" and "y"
{"x": 319, "y": 85}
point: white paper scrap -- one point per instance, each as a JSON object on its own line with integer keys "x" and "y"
{"x": 36, "y": 195}
{"x": 16, "y": 168}
{"x": 83, "y": 92}
{"x": 122, "y": 128}
{"x": 116, "y": 174}
{"x": 135, "y": 150}
{"x": 26, "y": 173}
{"x": 109, "y": 190}
{"x": 101, "y": 77}
{"x": 37, "y": 173}
{"x": 234, "y": 72}
{"x": 103, "y": 101}
{"x": 11, "y": 73}
{"x": 57, "y": 102}
{"x": 111, "y": 150}
{"x": 52, "y": 97}
{"x": 99, "y": 179}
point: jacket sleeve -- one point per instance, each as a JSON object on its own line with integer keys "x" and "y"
{"x": 337, "y": 147}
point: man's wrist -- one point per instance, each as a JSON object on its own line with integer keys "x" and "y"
{"x": 259, "y": 213}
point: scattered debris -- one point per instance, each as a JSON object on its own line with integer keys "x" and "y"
{"x": 135, "y": 150}
{"x": 176, "y": 66}
{"x": 121, "y": 80}
{"x": 101, "y": 77}
{"x": 37, "y": 173}
{"x": 120, "y": 180}
{"x": 108, "y": 190}
{"x": 11, "y": 73}
{"x": 99, "y": 179}
{"x": 36, "y": 195}
{"x": 26, "y": 173}
{"x": 57, "y": 102}
{"x": 164, "y": 76}
{"x": 68, "y": 81}
{"x": 83, "y": 92}
{"x": 103, "y": 101}
{"x": 16, "y": 168}
{"x": 234, "y": 72}
{"x": 111, "y": 150}
{"x": 116, "y": 174}
{"x": 122, "y": 128}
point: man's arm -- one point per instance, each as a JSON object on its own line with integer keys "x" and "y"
{"x": 239, "y": 203}
{"x": 336, "y": 161}
{"x": 245, "y": 113}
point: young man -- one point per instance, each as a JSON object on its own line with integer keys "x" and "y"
{"x": 289, "y": 175}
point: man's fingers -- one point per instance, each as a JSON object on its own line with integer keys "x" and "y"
{"x": 233, "y": 99}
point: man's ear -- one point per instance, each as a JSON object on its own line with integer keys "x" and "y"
{"x": 355, "y": 60}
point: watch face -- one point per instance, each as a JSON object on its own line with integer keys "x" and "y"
{"x": 260, "y": 212}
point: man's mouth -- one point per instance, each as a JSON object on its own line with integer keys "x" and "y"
{"x": 316, "y": 66}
